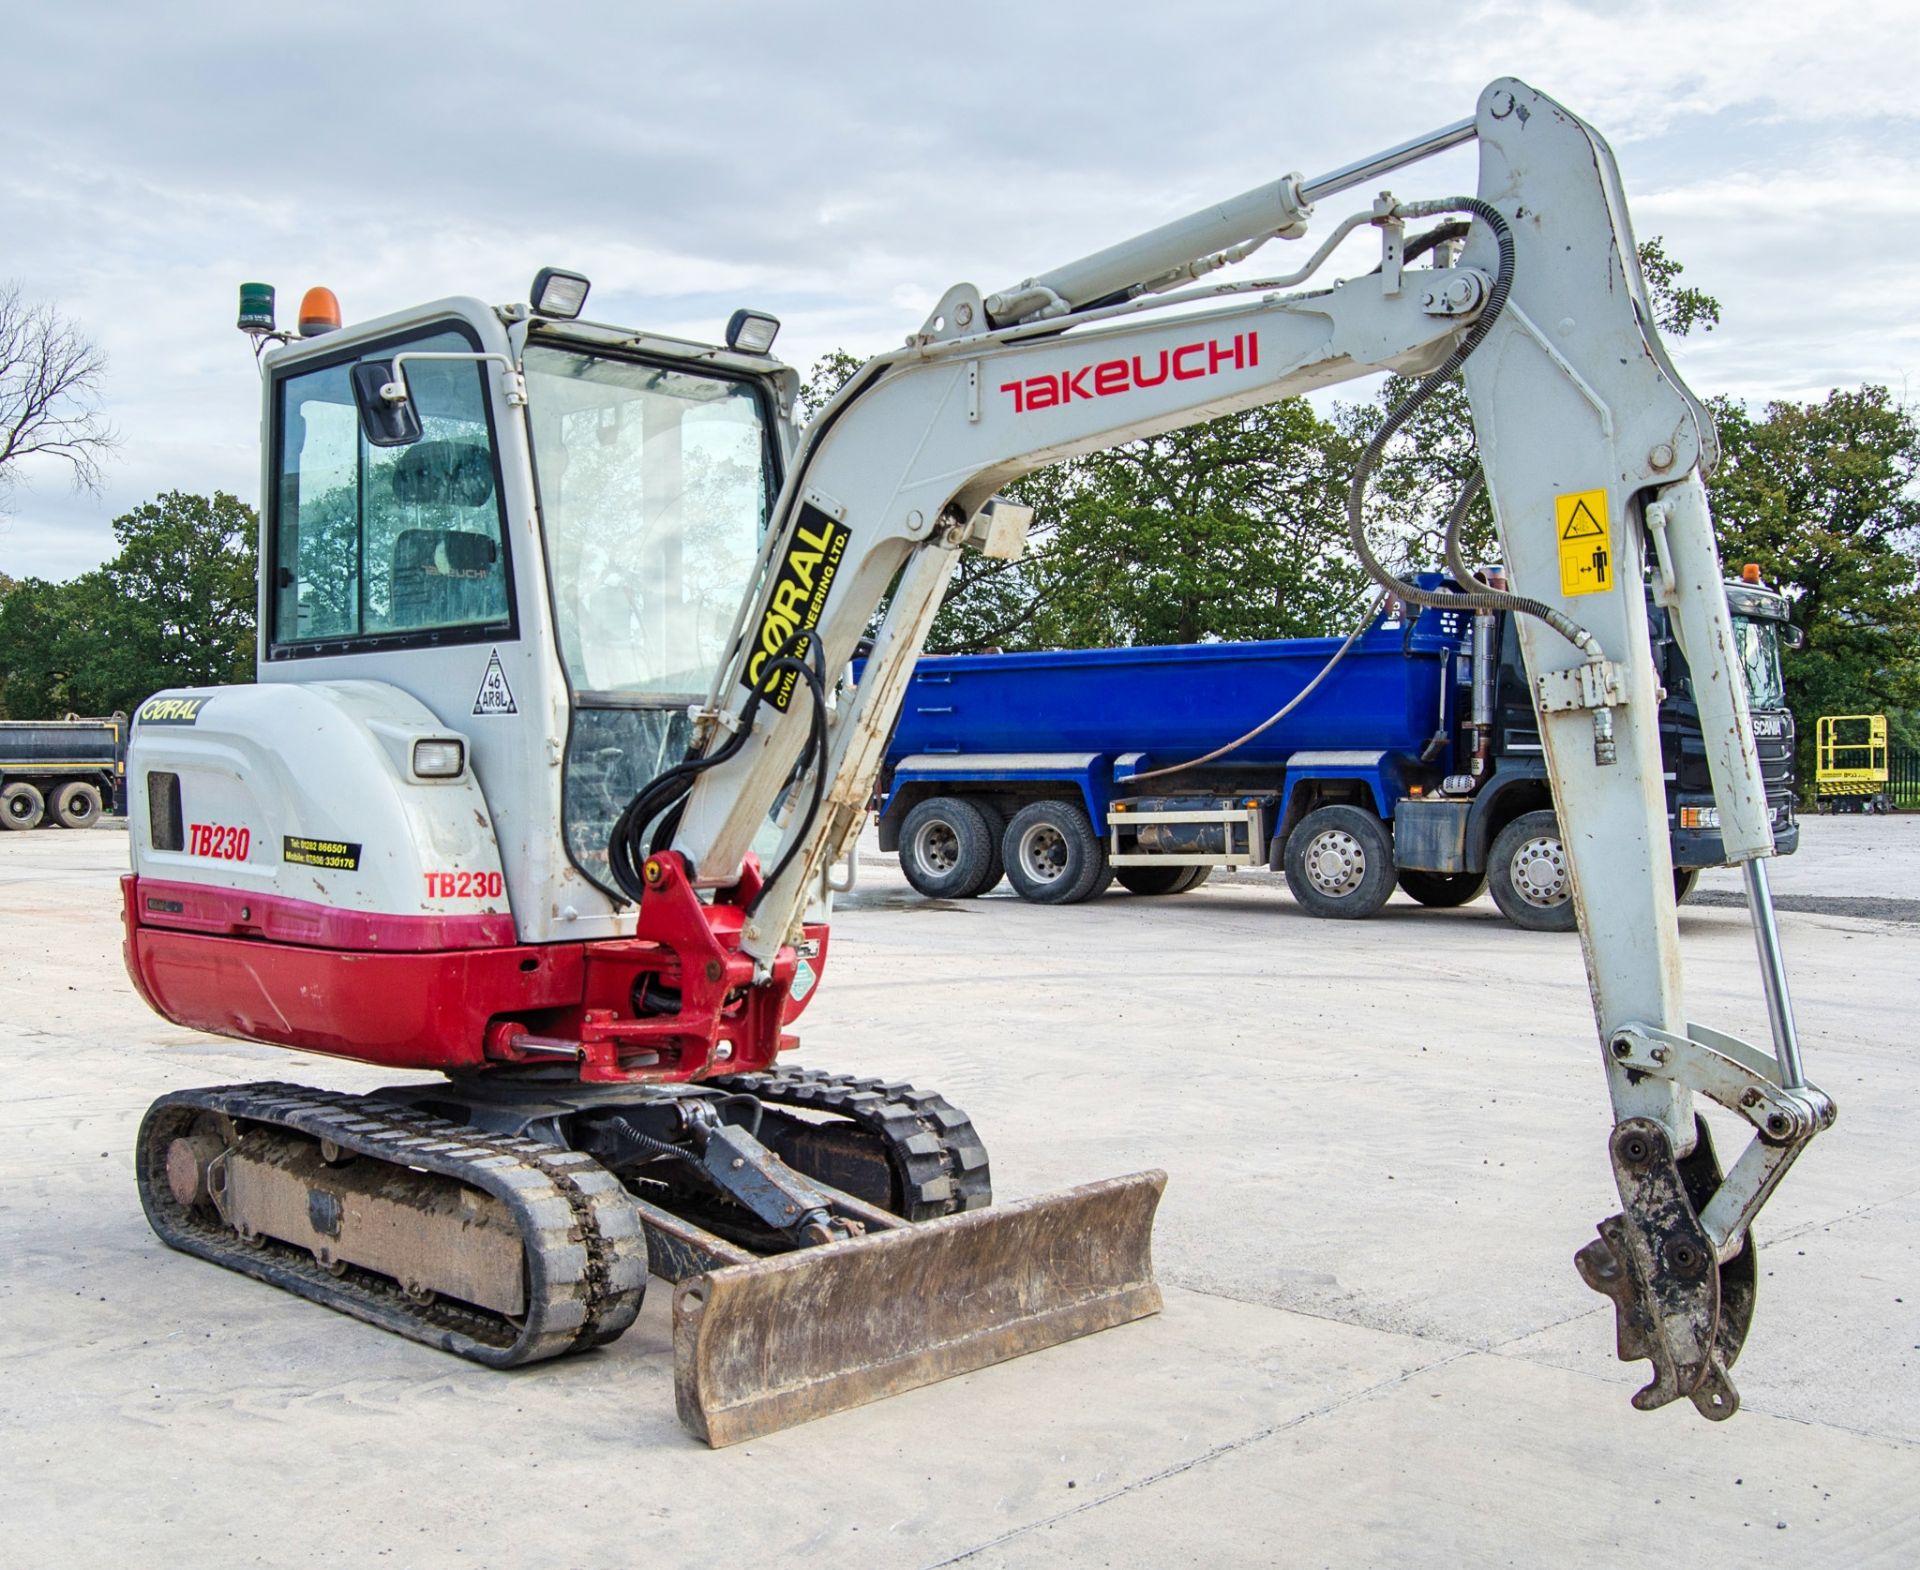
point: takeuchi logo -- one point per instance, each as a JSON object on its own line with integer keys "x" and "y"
{"x": 1106, "y": 378}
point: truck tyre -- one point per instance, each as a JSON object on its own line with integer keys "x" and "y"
{"x": 1685, "y": 879}
{"x": 76, "y": 805}
{"x": 1159, "y": 880}
{"x": 1053, "y": 857}
{"x": 947, "y": 849}
{"x": 1527, "y": 871}
{"x": 22, "y": 806}
{"x": 1443, "y": 890}
{"x": 1339, "y": 863}
{"x": 996, "y": 822}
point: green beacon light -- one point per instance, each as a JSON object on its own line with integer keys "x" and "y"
{"x": 256, "y": 309}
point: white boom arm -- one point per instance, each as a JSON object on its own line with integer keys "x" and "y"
{"x": 1592, "y": 447}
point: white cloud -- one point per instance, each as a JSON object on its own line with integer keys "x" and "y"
{"x": 842, "y": 165}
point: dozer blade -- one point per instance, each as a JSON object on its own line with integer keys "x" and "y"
{"x": 764, "y": 1345}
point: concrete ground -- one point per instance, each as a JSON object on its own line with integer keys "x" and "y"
{"x": 1385, "y": 1143}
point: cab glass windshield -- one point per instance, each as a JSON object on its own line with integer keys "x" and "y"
{"x": 653, "y": 493}
{"x": 1758, "y": 645}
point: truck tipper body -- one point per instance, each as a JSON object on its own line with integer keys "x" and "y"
{"x": 1415, "y": 762}
{"x": 61, "y": 773}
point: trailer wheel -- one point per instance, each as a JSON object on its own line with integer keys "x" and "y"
{"x": 1339, "y": 863}
{"x": 1443, "y": 890}
{"x": 1160, "y": 880}
{"x": 1527, "y": 871}
{"x": 947, "y": 849}
{"x": 77, "y": 804}
{"x": 1053, "y": 856}
{"x": 22, "y": 806}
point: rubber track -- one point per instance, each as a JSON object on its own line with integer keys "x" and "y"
{"x": 586, "y": 1252}
{"x": 931, "y": 1143}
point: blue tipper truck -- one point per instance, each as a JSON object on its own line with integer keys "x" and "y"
{"x": 1415, "y": 763}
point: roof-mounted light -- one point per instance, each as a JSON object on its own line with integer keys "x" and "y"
{"x": 752, "y": 332}
{"x": 319, "y": 312}
{"x": 1750, "y": 573}
{"x": 256, "y": 309}
{"x": 559, "y": 295}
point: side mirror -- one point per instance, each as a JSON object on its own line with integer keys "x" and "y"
{"x": 1792, "y": 637}
{"x": 386, "y": 422}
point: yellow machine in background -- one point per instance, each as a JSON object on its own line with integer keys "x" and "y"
{"x": 1850, "y": 771}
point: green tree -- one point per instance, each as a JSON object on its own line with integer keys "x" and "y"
{"x": 1226, "y": 529}
{"x": 1825, "y": 497}
{"x": 174, "y": 608}
{"x": 186, "y": 573}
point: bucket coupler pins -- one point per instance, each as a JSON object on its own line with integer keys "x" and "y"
{"x": 1678, "y": 1261}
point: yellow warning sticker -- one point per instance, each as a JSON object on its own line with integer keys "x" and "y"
{"x": 1586, "y": 543}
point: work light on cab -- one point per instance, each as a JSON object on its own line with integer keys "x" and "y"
{"x": 752, "y": 332}
{"x": 559, "y": 295}
{"x": 439, "y": 758}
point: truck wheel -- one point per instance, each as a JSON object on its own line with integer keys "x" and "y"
{"x": 1159, "y": 880}
{"x": 1527, "y": 871}
{"x": 996, "y": 822}
{"x": 947, "y": 849}
{"x": 22, "y": 806}
{"x": 1685, "y": 879}
{"x": 1443, "y": 890}
{"x": 1339, "y": 863}
{"x": 1053, "y": 856}
{"x": 77, "y": 804}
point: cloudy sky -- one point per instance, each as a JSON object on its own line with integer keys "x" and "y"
{"x": 841, "y": 163}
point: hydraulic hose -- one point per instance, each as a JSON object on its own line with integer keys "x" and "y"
{"x": 1469, "y": 599}
{"x": 666, "y": 793}
{"x": 1366, "y": 620}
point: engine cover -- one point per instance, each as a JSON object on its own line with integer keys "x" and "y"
{"x": 296, "y": 813}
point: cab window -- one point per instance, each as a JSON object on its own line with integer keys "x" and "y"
{"x": 388, "y": 543}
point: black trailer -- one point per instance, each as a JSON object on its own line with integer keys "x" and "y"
{"x": 63, "y": 773}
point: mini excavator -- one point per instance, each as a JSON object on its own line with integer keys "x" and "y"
{"x": 557, "y": 749}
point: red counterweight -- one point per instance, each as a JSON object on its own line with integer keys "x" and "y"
{"x": 673, "y": 1002}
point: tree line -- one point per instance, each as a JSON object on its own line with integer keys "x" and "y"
{"x": 1234, "y": 529}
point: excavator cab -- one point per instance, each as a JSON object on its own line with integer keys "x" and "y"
{"x": 570, "y": 538}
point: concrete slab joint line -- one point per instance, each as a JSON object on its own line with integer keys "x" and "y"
{"x": 1298, "y": 1420}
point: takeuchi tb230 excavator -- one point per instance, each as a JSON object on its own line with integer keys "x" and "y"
{"x": 557, "y": 750}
